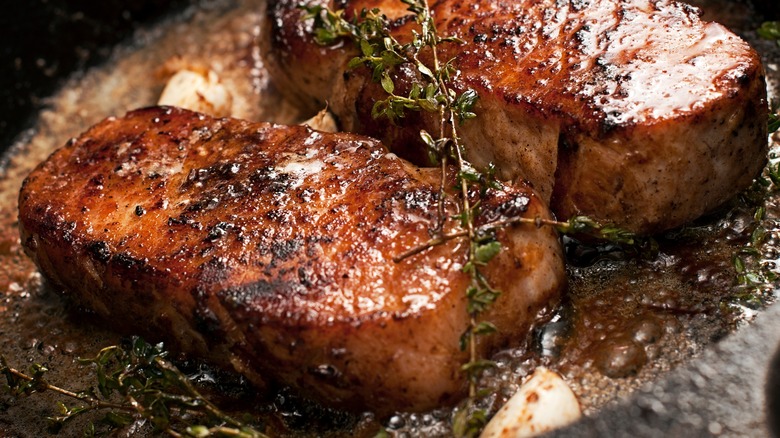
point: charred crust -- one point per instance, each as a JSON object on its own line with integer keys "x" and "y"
{"x": 97, "y": 180}
{"x": 126, "y": 261}
{"x": 278, "y": 216}
{"x": 67, "y": 231}
{"x": 401, "y": 21}
{"x": 516, "y": 206}
{"x": 205, "y": 319}
{"x": 214, "y": 271}
{"x": 305, "y": 276}
{"x": 99, "y": 250}
{"x": 744, "y": 78}
{"x": 285, "y": 250}
{"x": 419, "y": 200}
{"x": 218, "y": 231}
{"x": 245, "y": 301}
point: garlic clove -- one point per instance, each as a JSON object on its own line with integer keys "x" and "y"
{"x": 198, "y": 91}
{"x": 322, "y": 121}
{"x": 543, "y": 403}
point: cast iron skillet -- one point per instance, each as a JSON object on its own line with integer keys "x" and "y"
{"x": 43, "y": 41}
{"x": 732, "y": 390}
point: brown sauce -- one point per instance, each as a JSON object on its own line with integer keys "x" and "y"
{"x": 626, "y": 321}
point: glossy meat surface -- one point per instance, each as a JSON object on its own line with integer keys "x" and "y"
{"x": 269, "y": 249}
{"x": 633, "y": 112}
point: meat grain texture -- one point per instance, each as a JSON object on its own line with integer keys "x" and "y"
{"x": 633, "y": 112}
{"x": 268, "y": 249}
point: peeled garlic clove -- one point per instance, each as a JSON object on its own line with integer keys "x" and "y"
{"x": 322, "y": 121}
{"x": 198, "y": 91}
{"x": 543, "y": 403}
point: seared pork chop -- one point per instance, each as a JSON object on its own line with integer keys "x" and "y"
{"x": 633, "y": 112}
{"x": 269, "y": 249}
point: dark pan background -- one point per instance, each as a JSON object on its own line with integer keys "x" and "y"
{"x": 42, "y": 42}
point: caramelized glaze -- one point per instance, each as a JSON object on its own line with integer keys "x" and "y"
{"x": 633, "y": 112}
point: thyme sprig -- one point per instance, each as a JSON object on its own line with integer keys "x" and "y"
{"x": 756, "y": 278}
{"x": 770, "y": 30}
{"x": 382, "y": 53}
{"x": 134, "y": 382}
{"x": 576, "y": 225}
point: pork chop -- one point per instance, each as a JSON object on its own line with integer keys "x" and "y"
{"x": 269, "y": 249}
{"x": 633, "y": 112}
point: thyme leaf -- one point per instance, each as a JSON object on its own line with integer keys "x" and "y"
{"x": 486, "y": 251}
{"x": 774, "y": 122}
{"x": 469, "y": 423}
{"x": 770, "y": 30}
{"x": 756, "y": 273}
{"x": 381, "y": 53}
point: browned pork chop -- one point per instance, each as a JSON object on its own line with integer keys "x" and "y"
{"x": 269, "y": 249}
{"x": 631, "y": 111}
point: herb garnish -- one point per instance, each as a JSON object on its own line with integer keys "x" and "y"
{"x": 380, "y": 52}
{"x": 770, "y": 30}
{"x": 135, "y": 381}
{"x": 756, "y": 277}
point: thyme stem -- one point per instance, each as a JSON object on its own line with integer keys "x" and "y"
{"x": 438, "y": 240}
{"x": 194, "y": 393}
{"x": 431, "y": 90}
{"x": 563, "y": 227}
{"x": 447, "y": 120}
{"x": 93, "y": 402}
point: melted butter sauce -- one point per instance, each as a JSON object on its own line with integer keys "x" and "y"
{"x": 626, "y": 320}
